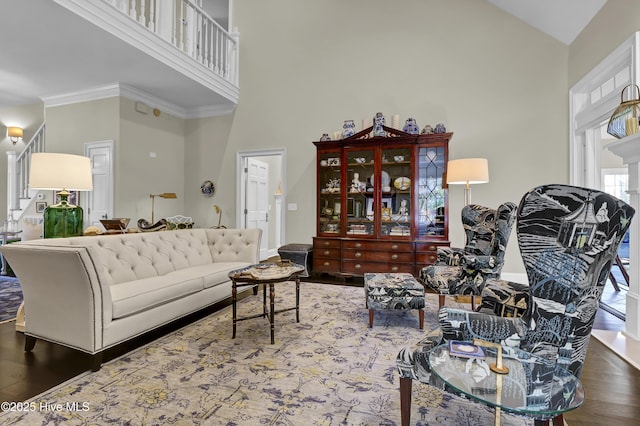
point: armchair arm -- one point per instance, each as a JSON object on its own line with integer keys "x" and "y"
{"x": 504, "y": 298}
{"x": 483, "y": 263}
{"x": 460, "y": 324}
{"x": 450, "y": 256}
{"x": 412, "y": 360}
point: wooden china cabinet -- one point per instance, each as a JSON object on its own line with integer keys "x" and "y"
{"x": 381, "y": 202}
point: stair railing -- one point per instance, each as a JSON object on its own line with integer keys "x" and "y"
{"x": 18, "y": 169}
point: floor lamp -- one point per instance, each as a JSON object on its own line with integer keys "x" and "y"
{"x": 63, "y": 173}
{"x": 153, "y": 199}
{"x": 467, "y": 171}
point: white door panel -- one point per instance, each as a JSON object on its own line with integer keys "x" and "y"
{"x": 99, "y": 204}
{"x": 257, "y": 201}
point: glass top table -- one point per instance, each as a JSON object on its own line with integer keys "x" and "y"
{"x": 533, "y": 387}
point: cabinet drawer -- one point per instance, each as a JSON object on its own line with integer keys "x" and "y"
{"x": 424, "y": 259}
{"x": 429, "y": 246}
{"x": 359, "y": 268}
{"x": 320, "y": 243}
{"x": 326, "y": 253}
{"x": 326, "y": 265}
{"x": 377, "y": 256}
{"x": 389, "y": 246}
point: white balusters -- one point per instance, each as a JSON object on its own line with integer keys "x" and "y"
{"x": 189, "y": 28}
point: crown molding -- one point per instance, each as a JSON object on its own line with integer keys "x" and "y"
{"x": 117, "y": 90}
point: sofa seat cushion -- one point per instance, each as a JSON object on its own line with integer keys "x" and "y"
{"x": 139, "y": 295}
{"x": 212, "y": 274}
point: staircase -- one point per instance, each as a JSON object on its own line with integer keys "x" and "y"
{"x": 19, "y": 196}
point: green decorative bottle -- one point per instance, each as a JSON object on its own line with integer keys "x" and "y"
{"x": 63, "y": 219}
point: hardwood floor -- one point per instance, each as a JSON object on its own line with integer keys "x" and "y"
{"x": 612, "y": 385}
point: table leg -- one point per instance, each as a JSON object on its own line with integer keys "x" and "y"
{"x": 297, "y": 299}
{"x": 264, "y": 300}
{"x": 234, "y": 297}
{"x": 272, "y": 295}
{"x": 405, "y": 401}
{"x": 421, "y": 316}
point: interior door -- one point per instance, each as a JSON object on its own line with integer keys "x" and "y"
{"x": 257, "y": 201}
{"x": 99, "y": 202}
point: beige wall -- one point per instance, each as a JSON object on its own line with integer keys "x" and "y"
{"x": 135, "y": 136}
{"x": 138, "y": 174}
{"x": 498, "y": 84}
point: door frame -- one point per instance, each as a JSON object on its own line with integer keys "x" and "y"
{"x": 84, "y": 201}
{"x": 241, "y": 157}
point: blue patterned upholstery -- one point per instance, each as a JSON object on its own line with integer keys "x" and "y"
{"x": 465, "y": 271}
{"x": 393, "y": 291}
{"x": 568, "y": 238}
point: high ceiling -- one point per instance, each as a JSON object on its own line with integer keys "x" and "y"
{"x": 52, "y": 41}
{"x": 561, "y": 19}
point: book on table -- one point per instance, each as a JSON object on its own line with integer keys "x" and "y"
{"x": 465, "y": 349}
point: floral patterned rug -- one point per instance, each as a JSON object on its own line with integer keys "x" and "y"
{"x": 329, "y": 369}
{"x": 10, "y": 298}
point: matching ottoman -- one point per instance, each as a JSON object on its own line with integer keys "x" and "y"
{"x": 393, "y": 291}
{"x": 298, "y": 253}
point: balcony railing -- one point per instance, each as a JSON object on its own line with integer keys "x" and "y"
{"x": 189, "y": 28}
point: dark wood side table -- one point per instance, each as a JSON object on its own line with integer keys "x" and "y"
{"x": 265, "y": 274}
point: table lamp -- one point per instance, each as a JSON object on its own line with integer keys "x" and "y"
{"x": 153, "y": 198}
{"x": 63, "y": 173}
{"x": 467, "y": 171}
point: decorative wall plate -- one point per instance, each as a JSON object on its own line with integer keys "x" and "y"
{"x": 208, "y": 188}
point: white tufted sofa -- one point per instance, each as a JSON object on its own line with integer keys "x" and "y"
{"x": 91, "y": 293}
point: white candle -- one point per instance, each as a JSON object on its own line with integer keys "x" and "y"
{"x": 395, "y": 121}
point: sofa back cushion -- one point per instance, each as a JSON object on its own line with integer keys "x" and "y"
{"x": 128, "y": 257}
{"x": 234, "y": 245}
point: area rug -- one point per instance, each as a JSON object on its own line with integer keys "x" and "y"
{"x": 329, "y": 369}
{"x": 10, "y": 298}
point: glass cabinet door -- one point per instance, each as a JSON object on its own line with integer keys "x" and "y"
{"x": 329, "y": 206}
{"x": 431, "y": 195}
{"x": 395, "y": 181}
{"x": 360, "y": 193}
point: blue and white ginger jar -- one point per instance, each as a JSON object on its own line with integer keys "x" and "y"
{"x": 348, "y": 128}
{"x": 411, "y": 127}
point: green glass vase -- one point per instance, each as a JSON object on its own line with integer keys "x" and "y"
{"x": 63, "y": 219}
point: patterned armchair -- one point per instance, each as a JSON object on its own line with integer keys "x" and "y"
{"x": 568, "y": 237}
{"x": 465, "y": 270}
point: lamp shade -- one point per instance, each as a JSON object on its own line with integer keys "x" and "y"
{"x": 14, "y": 132}
{"x": 468, "y": 171}
{"x": 60, "y": 171}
